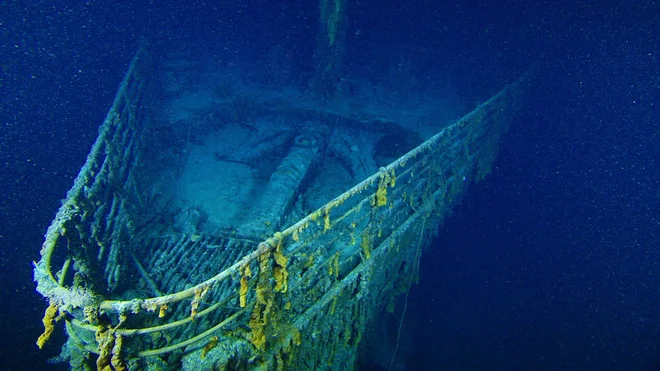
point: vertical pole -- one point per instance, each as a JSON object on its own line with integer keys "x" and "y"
{"x": 330, "y": 48}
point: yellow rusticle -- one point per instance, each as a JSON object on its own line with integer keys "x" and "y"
{"x": 280, "y": 273}
{"x": 366, "y": 244}
{"x": 162, "y": 311}
{"x": 381, "y": 192}
{"x": 49, "y": 324}
{"x": 116, "y": 361}
{"x": 213, "y": 342}
{"x": 105, "y": 339}
{"x": 333, "y": 267}
{"x": 243, "y": 292}
{"x": 194, "y": 305}
{"x": 393, "y": 178}
{"x": 326, "y": 219}
{"x": 245, "y": 274}
{"x": 261, "y": 313}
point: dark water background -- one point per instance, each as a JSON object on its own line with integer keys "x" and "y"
{"x": 552, "y": 263}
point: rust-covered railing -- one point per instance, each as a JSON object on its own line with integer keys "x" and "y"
{"x": 300, "y": 299}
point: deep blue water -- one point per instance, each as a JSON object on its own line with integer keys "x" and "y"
{"x": 551, "y": 263}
